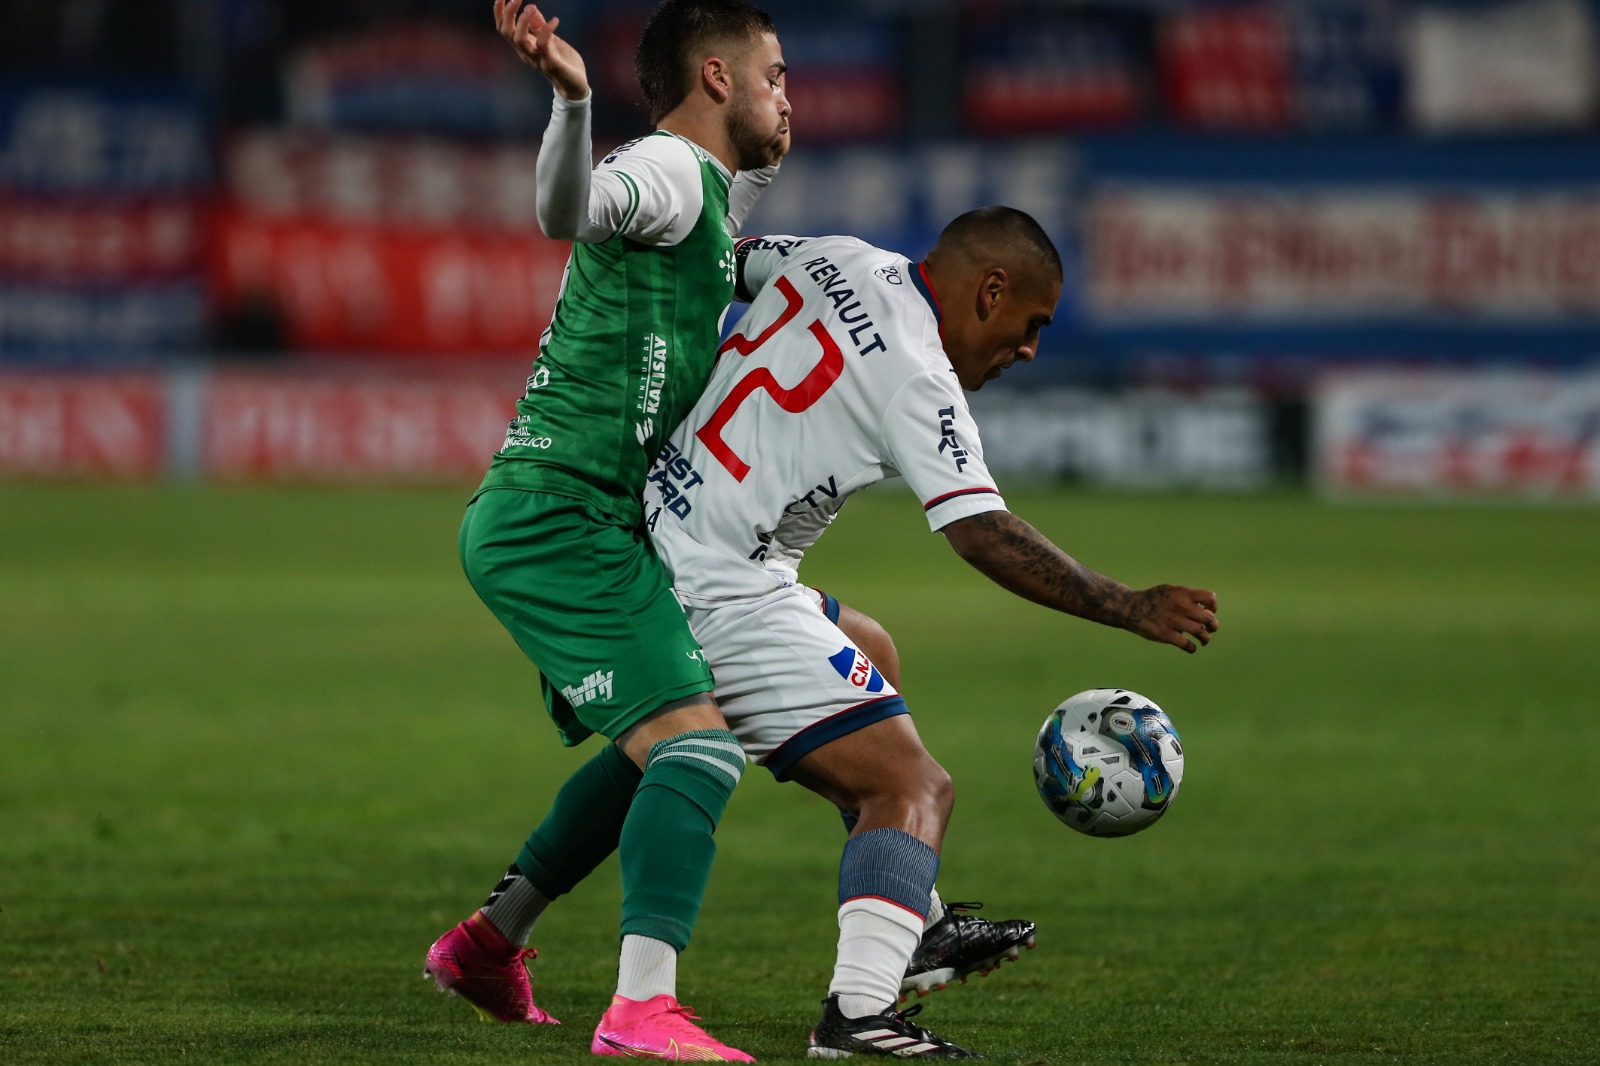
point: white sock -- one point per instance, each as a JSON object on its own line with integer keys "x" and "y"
{"x": 649, "y": 968}
{"x": 876, "y": 939}
{"x": 935, "y": 909}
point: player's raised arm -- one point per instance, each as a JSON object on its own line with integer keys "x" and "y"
{"x": 534, "y": 39}
{"x": 566, "y": 198}
{"x": 1020, "y": 559}
{"x": 648, "y": 190}
{"x": 728, "y": 105}
{"x": 656, "y": 203}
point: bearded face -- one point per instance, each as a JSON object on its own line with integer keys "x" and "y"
{"x": 758, "y": 108}
{"x": 756, "y": 128}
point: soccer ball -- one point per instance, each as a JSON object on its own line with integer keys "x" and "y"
{"x": 1108, "y": 762}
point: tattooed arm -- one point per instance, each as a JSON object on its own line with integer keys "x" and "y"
{"x": 1020, "y": 559}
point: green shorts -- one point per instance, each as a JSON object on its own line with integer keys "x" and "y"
{"x": 588, "y": 601}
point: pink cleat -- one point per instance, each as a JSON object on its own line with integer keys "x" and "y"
{"x": 476, "y": 962}
{"x": 658, "y": 1028}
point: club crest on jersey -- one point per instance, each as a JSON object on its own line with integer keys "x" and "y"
{"x": 857, "y": 669}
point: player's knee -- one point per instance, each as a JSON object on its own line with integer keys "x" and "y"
{"x": 924, "y": 784}
{"x": 939, "y": 790}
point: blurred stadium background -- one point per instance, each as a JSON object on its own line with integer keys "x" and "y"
{"x": 259, "y": 743}
{"x": 1356, "y": 241}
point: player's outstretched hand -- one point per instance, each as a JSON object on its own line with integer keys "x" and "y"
{"x": 534, "y": 38}
{"x": 1174, "y": 614}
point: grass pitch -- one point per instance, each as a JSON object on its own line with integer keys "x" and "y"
{"x": 258, "y": 747}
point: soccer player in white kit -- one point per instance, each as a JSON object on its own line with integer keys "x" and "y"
{"x": 849, "y": 368}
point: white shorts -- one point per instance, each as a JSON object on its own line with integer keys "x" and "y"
{"x": 787, "y": 678}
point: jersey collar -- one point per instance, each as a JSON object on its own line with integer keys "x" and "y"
{"x": 924, "y": 287}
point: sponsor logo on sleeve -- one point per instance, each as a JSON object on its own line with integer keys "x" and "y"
{"x": 947, "y": 437}
{"x": 766, "y": 244}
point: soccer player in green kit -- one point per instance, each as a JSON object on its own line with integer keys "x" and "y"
{"x": 553, "y": 540}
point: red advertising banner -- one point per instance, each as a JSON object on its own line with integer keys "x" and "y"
{"x": 389, "y": 288}
{"x": 275, "y": 427}
{"x": 1170, "y": 253}
{"x": 75, "y": 426}
{"x": 1228, "y": 67}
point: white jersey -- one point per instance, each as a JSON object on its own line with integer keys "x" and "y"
{"x": 835, "y": 379}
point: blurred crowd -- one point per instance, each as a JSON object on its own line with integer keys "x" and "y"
{"x": 189, "y": 176}
{"x": 875, "y": 68}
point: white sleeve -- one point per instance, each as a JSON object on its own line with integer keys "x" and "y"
{"x": 758, "y": 260}
{"x": 648, "y": 189}
{"x": 933, "y": 442}
{"x": 562, "y": 176}
{"x": 747, "y": 187}
{"x": 661, "y": 176}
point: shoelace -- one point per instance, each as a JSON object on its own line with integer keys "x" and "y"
{"x": 683, "y": 1010}
{"x": 921, "y": 1033}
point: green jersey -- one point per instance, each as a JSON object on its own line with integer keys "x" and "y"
{"x": 634, "y": 334}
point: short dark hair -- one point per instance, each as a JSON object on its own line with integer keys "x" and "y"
{"x": 997, "y": 228}
{"x": 676, "y": 33}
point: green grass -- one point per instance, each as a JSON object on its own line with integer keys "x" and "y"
{"x": 259, "y": 747}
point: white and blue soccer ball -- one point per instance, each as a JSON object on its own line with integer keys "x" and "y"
{"x": 1108, "y": 762}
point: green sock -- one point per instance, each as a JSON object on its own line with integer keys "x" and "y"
{"x": 666, "y": 847}
{"x": 583, "y": 826}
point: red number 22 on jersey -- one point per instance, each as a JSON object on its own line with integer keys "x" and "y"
{"x": 816, "y": 382}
